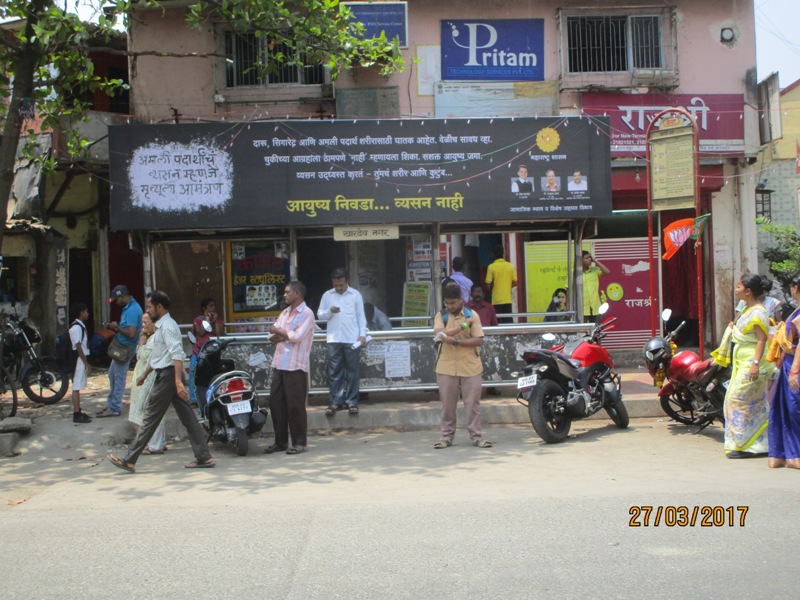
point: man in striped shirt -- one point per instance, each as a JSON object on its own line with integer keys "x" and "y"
{"x": 294, "y": 334}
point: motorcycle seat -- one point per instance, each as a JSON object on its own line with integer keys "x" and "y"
{"x": 702, "y": 371}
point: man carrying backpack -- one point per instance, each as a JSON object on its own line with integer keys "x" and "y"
{"x": 458, "y": 366}
{"x": 79, "y": 369}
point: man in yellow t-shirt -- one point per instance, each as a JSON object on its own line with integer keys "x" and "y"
{"x": 501, "y": 277}
{"x": 591, "y": 286}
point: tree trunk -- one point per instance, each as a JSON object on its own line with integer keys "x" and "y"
{"x": 26, "y": 62}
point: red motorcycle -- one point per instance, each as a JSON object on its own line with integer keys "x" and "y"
{"x": 571, "y": 382}
{"x": 694, "y": 392}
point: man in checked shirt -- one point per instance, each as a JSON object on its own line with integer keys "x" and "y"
{"x": 294, "y": 334}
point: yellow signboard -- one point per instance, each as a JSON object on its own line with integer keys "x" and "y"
{"x": 417, "y": 302}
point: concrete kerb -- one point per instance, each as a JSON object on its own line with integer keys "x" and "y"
{"x": 410, "y": 411}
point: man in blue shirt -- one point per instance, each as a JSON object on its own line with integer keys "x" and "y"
{"x": 127, "y": 334}
{"x": 343, "y": 308}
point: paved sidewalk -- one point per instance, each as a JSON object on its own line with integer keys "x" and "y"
{"x": 390, "y": 410}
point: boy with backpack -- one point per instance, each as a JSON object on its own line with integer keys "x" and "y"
{"x": 79, "y": 365}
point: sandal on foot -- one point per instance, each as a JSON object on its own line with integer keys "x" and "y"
{"x": 353, "y": 410}
{"x": 482, "y": 443}
{"x": 442, "y": 444}
{"x": 121, "y": 464}
{"x": 331, "y": 410}
{"x": 271, "y": 449}
{"x": 297, "y": 450}
{"x": 200, "y": 465}
{"x": 105, "y": 413}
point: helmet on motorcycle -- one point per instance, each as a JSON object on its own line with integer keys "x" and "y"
{"x": 654, "y": 349}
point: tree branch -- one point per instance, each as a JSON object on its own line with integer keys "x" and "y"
{"x": 106, "y": 50}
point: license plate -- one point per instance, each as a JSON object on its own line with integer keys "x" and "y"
{"x": 527, "y": 381}
{"x": 237, "y": 408}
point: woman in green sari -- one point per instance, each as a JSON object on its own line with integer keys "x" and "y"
{"x": 746, "y": 407}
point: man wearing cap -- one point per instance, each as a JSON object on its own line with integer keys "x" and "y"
{"x": 127, "y": 334}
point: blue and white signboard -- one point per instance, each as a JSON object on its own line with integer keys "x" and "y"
{"x": 493, "y": 50}
{"x": 391, "y": 17}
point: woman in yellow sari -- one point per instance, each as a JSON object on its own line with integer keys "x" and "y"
{"x": 746, "y": 407}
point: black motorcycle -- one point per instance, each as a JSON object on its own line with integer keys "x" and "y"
{"x": 227, "y": 397}
{"x": 42, "y": 378}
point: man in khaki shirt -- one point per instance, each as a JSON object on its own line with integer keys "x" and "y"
{"x": 459, "y": 367}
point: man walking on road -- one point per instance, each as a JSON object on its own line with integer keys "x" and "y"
{"x": 127, "y": 334}
{"x": 166, "y": 359}
{"x": 343, "y": 308}
{"x": 294, "y": 334}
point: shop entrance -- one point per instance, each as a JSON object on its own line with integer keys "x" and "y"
{"x": 316, "y": 258}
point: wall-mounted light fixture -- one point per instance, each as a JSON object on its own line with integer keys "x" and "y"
{"x": 726, "y": 35}
{"x": 637, "y": 178}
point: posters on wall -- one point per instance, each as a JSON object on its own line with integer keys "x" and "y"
{"x": 258, "y": 273}
{"x": 283, "y": 173}
{"x": 626, "y": 288}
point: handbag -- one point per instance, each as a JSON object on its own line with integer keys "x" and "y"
{"x": 119, "y": 351}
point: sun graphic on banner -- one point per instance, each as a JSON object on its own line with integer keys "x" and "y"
{"x": 548, "y": 139}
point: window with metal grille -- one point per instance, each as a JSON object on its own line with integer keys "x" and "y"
{"x": 245, "y": 53}
{"x": 600, "y": 44}
{"x": 764, "y": 203}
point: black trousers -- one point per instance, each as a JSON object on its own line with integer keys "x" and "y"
{"x": 287, "y": 403}
{"x": 164, "y": 393}
{"x": 503, "y": 309}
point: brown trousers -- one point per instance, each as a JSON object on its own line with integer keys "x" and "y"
{"x": 287, "y": 403}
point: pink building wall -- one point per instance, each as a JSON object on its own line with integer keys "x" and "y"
{"x": 705, "y": 64}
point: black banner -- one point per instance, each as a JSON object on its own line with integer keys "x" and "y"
{"x": 261, "y": 174}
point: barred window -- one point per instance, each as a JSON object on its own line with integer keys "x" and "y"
{"x": 245, "y": 52}
{"x": 613, "y": 43}
{"x": 764, "y": 203}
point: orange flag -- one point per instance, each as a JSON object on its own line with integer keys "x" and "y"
{"x": 675, "y": 234}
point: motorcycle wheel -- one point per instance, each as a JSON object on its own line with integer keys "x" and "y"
{"x": 10, "y": 392}
{"x": 241, "y": 441}
{"x": 678, "y": 407}
{"x": 48, "y": 385}
{"x": 551, "y": 427}
{"x": 618, "y": 414}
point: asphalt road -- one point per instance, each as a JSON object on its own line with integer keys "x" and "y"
{"x": 386, "y": 515}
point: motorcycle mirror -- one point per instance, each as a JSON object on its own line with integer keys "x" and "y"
{"x": 548, "y": 337}
{"x": 192, "y": 337}
{"x": 666, "y": 314}
{"x": 603, "y": 308}
{"x": 207, "y": 326}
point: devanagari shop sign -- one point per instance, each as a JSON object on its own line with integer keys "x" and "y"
{"x": 362, "y": 172}
{"x": 358, "y": 233}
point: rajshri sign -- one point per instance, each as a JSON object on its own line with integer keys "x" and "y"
{"x": 719, "y": 117}
{"x": 363, "y": 172}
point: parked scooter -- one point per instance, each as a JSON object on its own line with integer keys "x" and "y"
{"x": 42, "y": 378}
{"x": 228, "y": 397}
{"x": 694, "y": 392}
{"x": 571, "y": 382}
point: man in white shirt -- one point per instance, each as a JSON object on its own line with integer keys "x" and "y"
{"x": 343, "y": 309}
{"x": 166, "y": 360}
{"x": 577, "y": 183}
